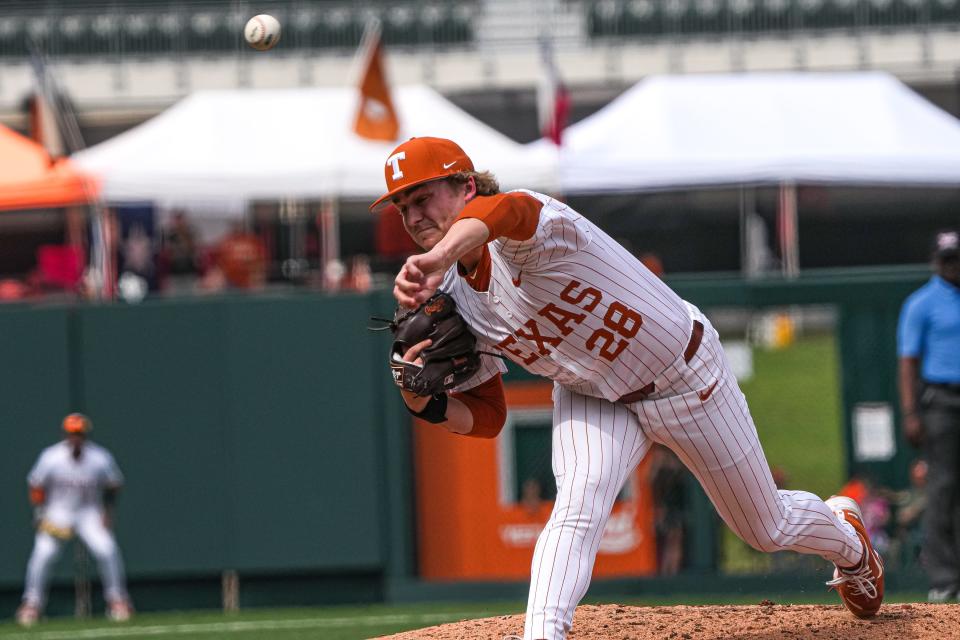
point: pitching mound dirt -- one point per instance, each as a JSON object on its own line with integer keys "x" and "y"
{"x": 765, "y": 621}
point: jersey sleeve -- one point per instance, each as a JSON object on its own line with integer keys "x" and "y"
{"x": 111, "y": 474}
{"x": 488, "y": 406}
{"x": 513, "y": 215}
{"x": 911, "y": 328}
{"x": 560, "y": 233}
{"x": 40, "y": 472}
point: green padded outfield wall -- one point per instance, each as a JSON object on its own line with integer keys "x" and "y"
{"x": 261, "y": 433}
{"x": 35, "y": 395}
{"x": 868, "y": 302}
{"x": 249, "y": 429}
{"x": 868, "y": 343}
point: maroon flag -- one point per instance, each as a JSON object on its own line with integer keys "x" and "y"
{"x": 553, "y": 99}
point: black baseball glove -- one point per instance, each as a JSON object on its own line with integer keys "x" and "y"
{"x": 451, "y": 357}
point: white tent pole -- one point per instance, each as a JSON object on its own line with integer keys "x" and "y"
{"x": 744, "y": 249}
{"x": 329, "y": 234}
{"x": 788, "y": 232}
{"x": 292, "y": 218}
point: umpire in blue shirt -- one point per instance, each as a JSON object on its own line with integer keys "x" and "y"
{"x": 928, "y": 345}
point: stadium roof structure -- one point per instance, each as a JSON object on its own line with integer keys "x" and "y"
{"x": 223, "y": 147}
{"x": 761, "y": 128}
{"x": 30, "y": 180}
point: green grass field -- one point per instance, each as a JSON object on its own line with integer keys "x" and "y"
{"x": 331, "y": 623}
{"x": 337, "y": 623}
{"x": 794, "y": 397}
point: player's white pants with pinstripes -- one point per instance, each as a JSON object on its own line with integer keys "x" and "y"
{"x": 597, "y": 444}
{"x": 102, "y": 545}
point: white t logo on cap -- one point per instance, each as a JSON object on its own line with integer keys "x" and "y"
{"x": 394, "y": 161}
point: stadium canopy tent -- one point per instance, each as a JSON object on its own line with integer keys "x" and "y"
{"x": 220, "y": 149}
{"x": 762, "y": 128}
{"x": 29, "y": 180}
{"x": 701, "y": 131}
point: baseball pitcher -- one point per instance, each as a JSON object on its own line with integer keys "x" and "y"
{"x": 73, "y": 487}
{"x": 632, "y": 365}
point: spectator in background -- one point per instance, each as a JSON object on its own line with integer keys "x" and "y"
{"x": 780, "y": 477}
{"x": 910, "y": 505}
{"x": 531, "y": 496}
{"x": 360, "y": 279}
{"x": 875, "y": 506}
{"x": 179, "y": 257}
{"x": 138, "y": 252}
{"x": 876, "y": 517}
{"x": 393, "y": 243}
{"x": 138, "y": 268}
{"x": 13, "y": 290}
{"x": 928, "y": 345}
{"x": 652, "y": 262}
{"x": 857, "y": 487}
{"x": 180, "y": 246}
{"x": 73, "y": 487}
{"x": 669, "y": 485}
{"x": 334, "y": 275}
{"x": 242, "y": 258}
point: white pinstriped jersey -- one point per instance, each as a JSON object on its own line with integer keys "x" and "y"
{"x": 74, "y": 505}
{"x": 73, "y": 485}
{"x": 572, "y": 305}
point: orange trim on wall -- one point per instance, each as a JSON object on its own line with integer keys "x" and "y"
{"x": 465, "y": 533}
{"x": 531, "y": 394}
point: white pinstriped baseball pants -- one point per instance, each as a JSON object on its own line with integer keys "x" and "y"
{"x": 598, "y": 443}
{"x": 101, "y": 543}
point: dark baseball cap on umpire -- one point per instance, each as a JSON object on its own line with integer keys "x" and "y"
{"x": 946, "y": 245}
{"x": 420, "y": 160}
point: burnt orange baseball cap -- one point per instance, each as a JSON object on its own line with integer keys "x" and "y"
{"x": 420, "y": 160}
{"x": 77, "y": 423}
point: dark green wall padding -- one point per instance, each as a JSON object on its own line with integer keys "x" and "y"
{"x": 264, "y": 434}
{"x": 249, "y": 430}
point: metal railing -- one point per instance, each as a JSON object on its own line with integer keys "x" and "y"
{"x": 721, "y": 18}
{"x": 166, "y": 27}
{"x": 169, "y": 28}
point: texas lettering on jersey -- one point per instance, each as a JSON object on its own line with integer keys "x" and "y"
{"x": 556, "y": 295}
{"x": 621, "y": 323}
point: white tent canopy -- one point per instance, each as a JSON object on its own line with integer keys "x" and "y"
{"x": 703, "y": 130}
{"x": 219, "y": 149}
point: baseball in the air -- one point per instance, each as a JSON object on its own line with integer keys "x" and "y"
{"x": 262, "y": 32}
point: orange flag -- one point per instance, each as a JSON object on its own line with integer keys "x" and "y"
{"x": 376, "y": 118}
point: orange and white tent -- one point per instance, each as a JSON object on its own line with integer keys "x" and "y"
{"x": 29, "y": 180}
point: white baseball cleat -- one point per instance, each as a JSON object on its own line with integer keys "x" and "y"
{"x": 27, "y": 615}
{"x": 119, "y": 611}
{"x": 860, "y": 587}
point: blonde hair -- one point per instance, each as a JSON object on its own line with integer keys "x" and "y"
{"x": 487, "y": 184}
